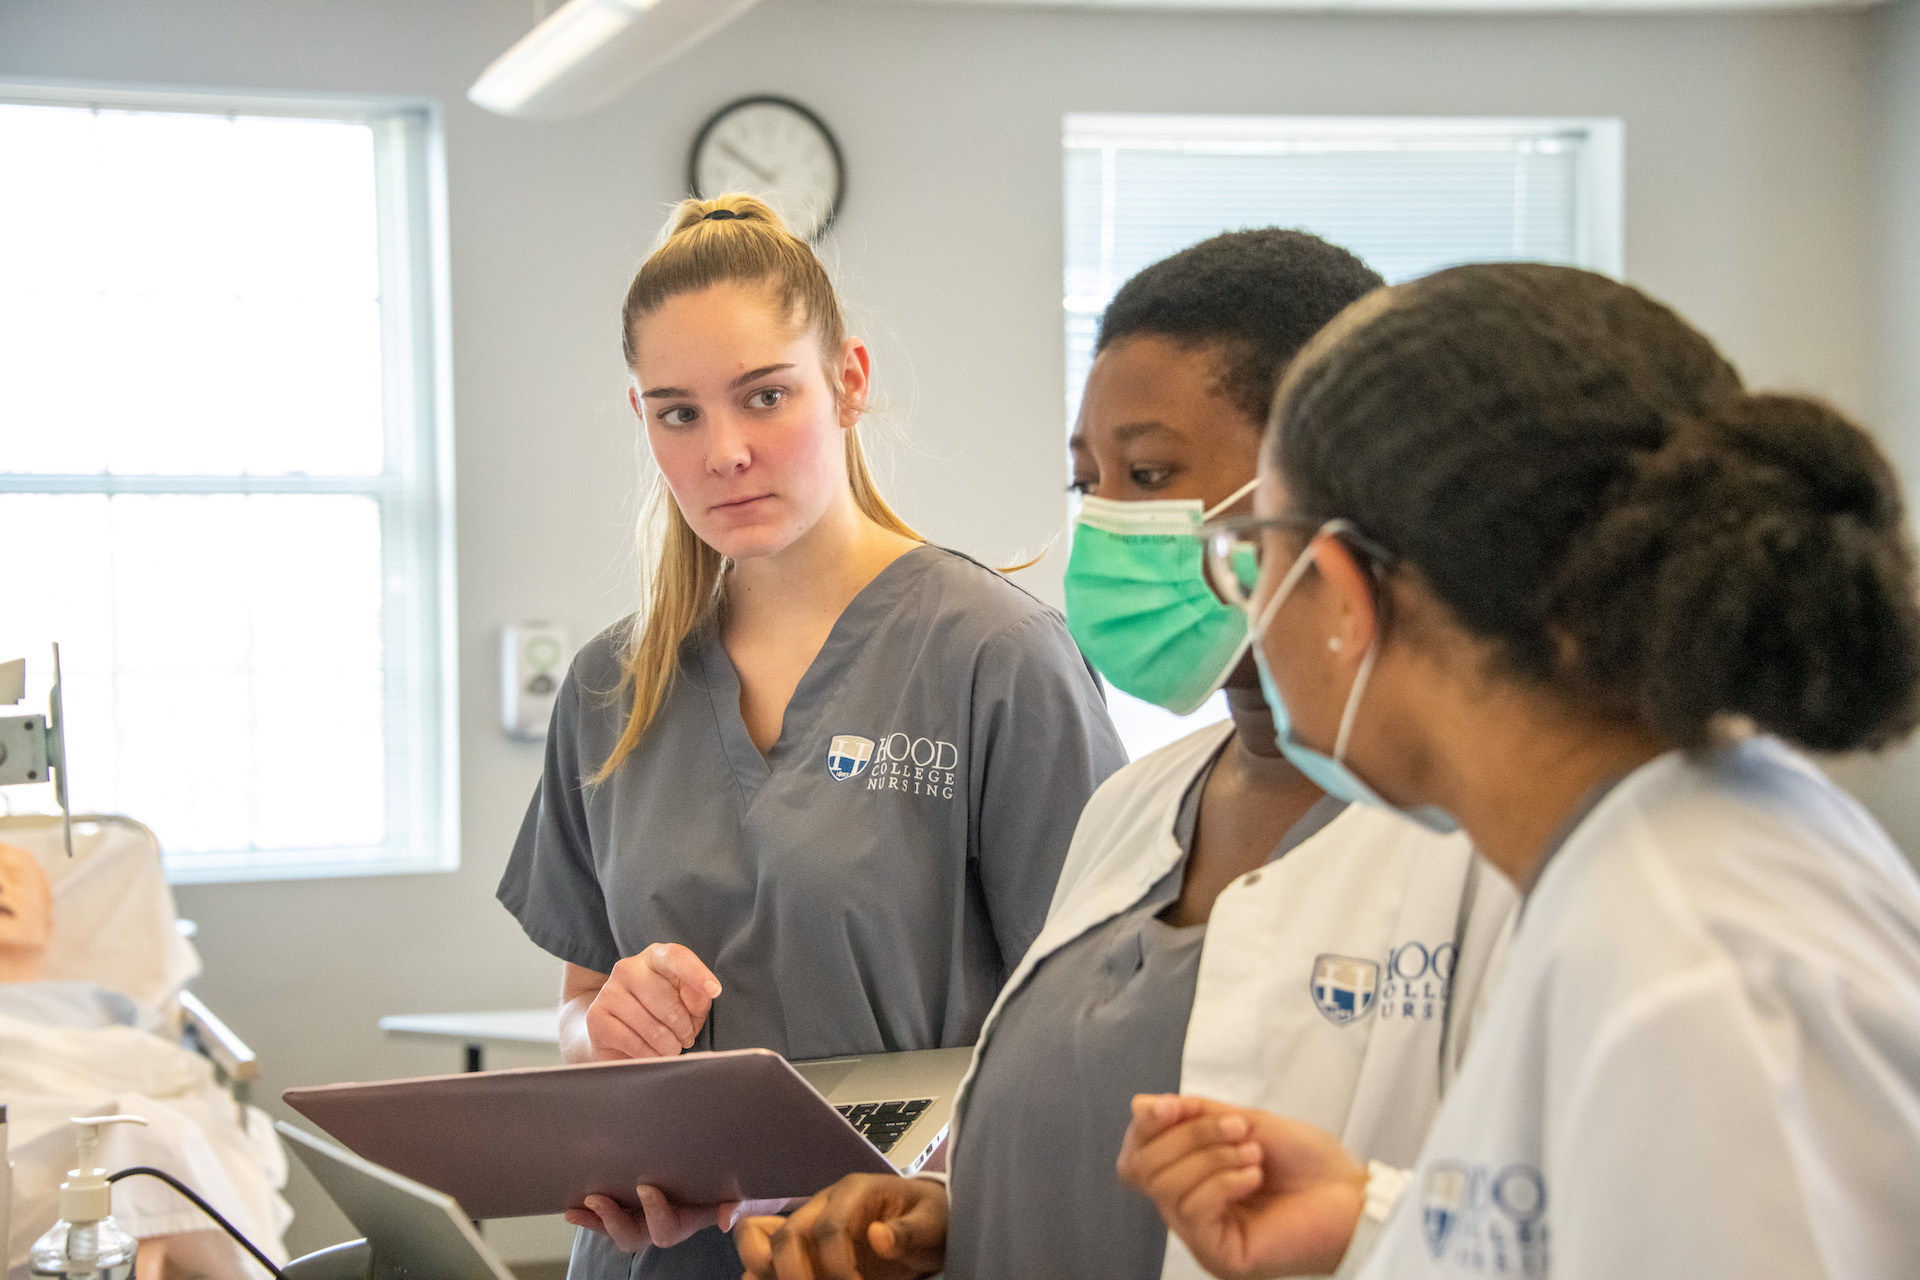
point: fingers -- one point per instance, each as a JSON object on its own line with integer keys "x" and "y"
{"x": 628, "y": 1231}
{"x": 831, "y": 1237}
{"x": 914, "y": 1231}
{"x": 833, "y": 1251}
{"x": 796, "y": 1246}
{"x": 652, "y": 1004}
{"x": 667, "y": 1223}
{"x": 675, "y": 988}
{"x": 1299, "y": 1155}
{"x": 1155, "y": 1113}
{"x": 735, "y": 1211}
{"x": 620, "y": 1026}
{"x": 1166, "y": 1129}
{"x": 753, "y": 1237}
{"x": 1171, "y": 1184}
{"x": 1248, "y": 1191}
{"x": 660, "y": 996}
{"x": 1210, "y": 1196}
{"x": 683, "y": 968}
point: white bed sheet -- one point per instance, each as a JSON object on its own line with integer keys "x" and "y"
{"x": 195, "y": 1130}
{"x": 114, "y": 920}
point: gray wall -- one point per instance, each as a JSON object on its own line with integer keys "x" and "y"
{"x": 1748, "y": 205}
{"x": 1894, "y": 295}
{"x": 1891, "y": 785}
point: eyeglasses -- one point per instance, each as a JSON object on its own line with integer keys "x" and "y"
{"x": 1231, "y": 551}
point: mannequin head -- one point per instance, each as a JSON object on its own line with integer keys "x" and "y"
{"x": 26, "y": 915}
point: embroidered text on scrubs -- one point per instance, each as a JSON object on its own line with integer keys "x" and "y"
{"x": 918, "y": 766}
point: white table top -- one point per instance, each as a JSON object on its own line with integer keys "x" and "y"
{"x": 521, "y": 1026}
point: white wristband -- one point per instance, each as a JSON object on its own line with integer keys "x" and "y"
{"x": 1384, "y": 1185}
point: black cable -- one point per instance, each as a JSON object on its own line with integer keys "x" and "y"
{"x": 205, "y": 1208}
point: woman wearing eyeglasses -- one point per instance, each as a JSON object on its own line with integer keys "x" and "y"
{"x": 1221, "y": 926}
{"x": 1601, "y": 588}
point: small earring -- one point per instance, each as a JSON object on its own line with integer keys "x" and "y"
{"x": 1333, "y": 643}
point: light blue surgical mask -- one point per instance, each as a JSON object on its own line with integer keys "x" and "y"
{"x": 1328, "y": 772}
{"x": 1139, "y": 606}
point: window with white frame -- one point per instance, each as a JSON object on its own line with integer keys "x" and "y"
{"x": 1409, "y": 196}
{"x": 224, "y": 479}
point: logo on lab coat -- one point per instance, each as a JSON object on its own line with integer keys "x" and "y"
{"x": 1443, "y": 1202}
{"x": 1344, "y": 988}
{"x": 1417, "y": 981}
{"x": 847, "y": 756}
{"x": 1486, "y": 1219}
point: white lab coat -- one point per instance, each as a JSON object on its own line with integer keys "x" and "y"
{"x": 1353, "y": 919}
{"x": 1703, "y": 1056}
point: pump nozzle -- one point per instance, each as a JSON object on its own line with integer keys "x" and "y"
{"x": 86, "y": 1244}
{"x": 85, "y": 1196}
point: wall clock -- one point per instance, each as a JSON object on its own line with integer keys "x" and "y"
{"x": 777, "y": 150}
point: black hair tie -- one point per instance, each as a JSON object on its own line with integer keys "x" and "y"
{"x": 721, "y": 215}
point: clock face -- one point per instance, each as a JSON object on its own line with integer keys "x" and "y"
{"x": 774, "y": 149}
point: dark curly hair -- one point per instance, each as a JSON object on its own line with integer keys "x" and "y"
{"x": 1257, "y": 295}
{"x": 1579, "y": 476}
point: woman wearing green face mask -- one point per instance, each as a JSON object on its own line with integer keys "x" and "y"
{"x": 1220, "y": 923}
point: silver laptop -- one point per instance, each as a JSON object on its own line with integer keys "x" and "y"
{"x": 411, "y": 1230}
{"x": 703, "y": 1127}
{"x": 901, "y": 1102}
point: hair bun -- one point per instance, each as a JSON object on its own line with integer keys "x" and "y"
{"x": 1579, "y": 478}
{"x": 1755, "y": 564}
{"x": 1808, "y": 454}
{"x": 731, "y": 206}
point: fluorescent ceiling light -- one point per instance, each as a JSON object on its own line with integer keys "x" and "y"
{"x": 588, "y": 52}
{"x": 1410, "y": 6}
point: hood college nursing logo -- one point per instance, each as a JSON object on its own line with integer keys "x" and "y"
{"x": 847, "y": 756}
{"x": 1344, "y": 988}
{"x": 1443, "y": 1201}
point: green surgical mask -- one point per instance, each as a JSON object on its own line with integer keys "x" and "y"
{"x": 1139, "y": 606}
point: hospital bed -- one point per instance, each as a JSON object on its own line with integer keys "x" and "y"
{"x": 115, "y": 926}
{"x": 114, "y": 923}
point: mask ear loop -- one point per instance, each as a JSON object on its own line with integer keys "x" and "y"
{"x": 1229, "y": 500}
{"x": 1308, "y": 557}
{"x": 1352, "y": 711}
{"x": 1299, "y": 570}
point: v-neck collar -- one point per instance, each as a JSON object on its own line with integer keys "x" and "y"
{"x": 870, "y": 607}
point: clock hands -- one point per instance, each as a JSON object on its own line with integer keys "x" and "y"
{"x": 733, "y": 153}
{"x": 798, "y": 159}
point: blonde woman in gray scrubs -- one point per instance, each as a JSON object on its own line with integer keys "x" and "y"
{"x": 816, "y": 795}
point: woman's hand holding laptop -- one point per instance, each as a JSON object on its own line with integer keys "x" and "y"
{"x": 662, "y": 1222}
{"x": 651, "y": 1006}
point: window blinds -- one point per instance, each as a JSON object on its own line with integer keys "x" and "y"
{"x": 1408, "y": 196}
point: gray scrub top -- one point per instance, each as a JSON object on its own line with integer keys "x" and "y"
{"x": 1033, "y": 1189}
{"x": 870, "y": 882}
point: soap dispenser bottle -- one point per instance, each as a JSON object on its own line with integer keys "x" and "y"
{"x": 86, "y": 1244}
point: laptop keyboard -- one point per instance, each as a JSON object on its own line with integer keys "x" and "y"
{"x": 883, "y": 1123}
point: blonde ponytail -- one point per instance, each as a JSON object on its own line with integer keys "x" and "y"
{"x": 682, "y": 578}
